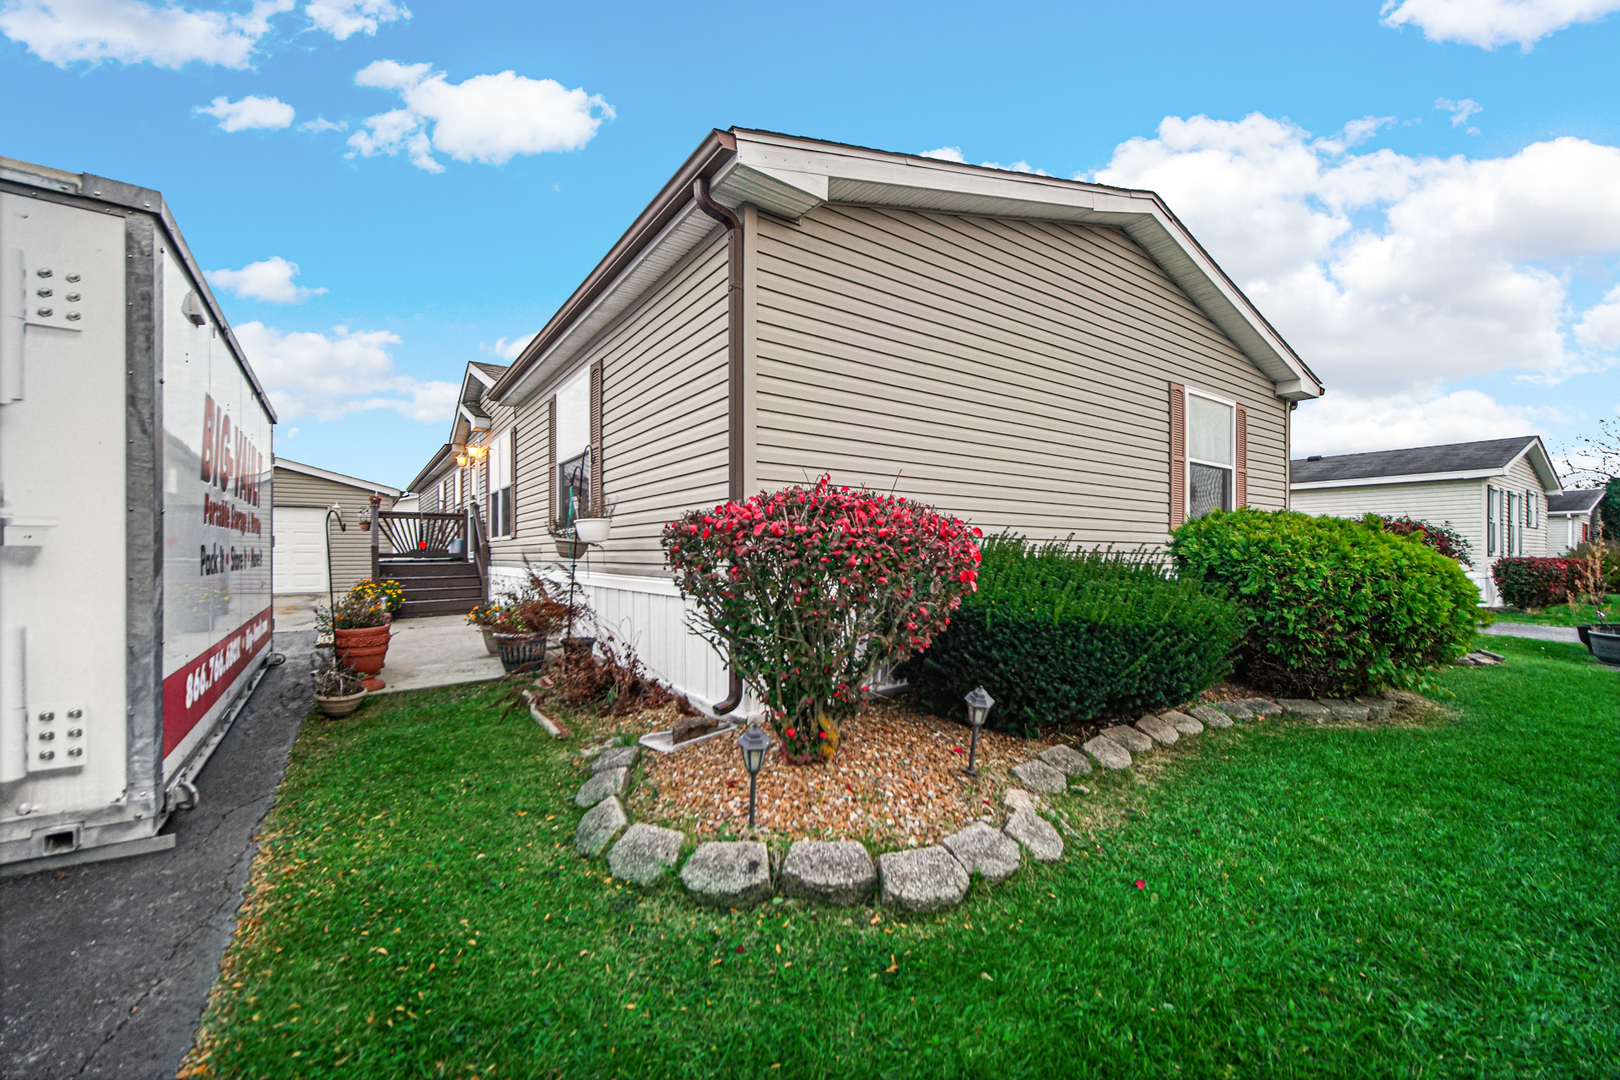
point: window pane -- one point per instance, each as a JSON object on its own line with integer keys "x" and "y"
{"x": 574, "y": 415}
{"x": 1209, "y": 489}
{"x": 574, "y": 483}
{"x": 1209, "y": 430}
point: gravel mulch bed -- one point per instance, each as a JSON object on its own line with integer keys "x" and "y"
{"x": 897, "y": 781}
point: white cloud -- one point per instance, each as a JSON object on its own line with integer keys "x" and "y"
{"x": 251, "y": 112}
{"x": 330, "y": 376}
{"x": 945, "y": 153}
{"x": 343, "y": 18}
{"x": 1460, "y": 111}
{"x": 488, "y": 118}
{"x": 321, "y": 123}
{"x": 1489, "y": 23}
{"x": 1347, "y": 424}
{"x": 131, "y": 32}
{"x": 1599, "y": 328}
{"x": 270, "y": 280}
{"x": 1017, "y": 166}
{"x": 1393, "y": 274}
{"x": 509, "y": 348}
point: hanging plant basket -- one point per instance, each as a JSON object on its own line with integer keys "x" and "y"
{"x": 572, "y": 549}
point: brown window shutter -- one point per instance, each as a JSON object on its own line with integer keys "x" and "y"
{"x": 598, "y": 503}
{"x": 1240, "y": 481}
{"x": 511, "y": 463}
{"x": 1178, "y": 455}
{"x": 551, "y": 459}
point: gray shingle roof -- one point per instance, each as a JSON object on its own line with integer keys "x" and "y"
{"x": 1418, "y": 461}
{"x": 494, "y": 371}
{"x": 1580, "y": 501}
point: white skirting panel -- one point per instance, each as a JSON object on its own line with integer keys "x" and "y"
{"x": 649, "y": 615}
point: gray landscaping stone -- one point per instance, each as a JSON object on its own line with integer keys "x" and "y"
{"x": 1212, "y": 716}
{"x": 1183, "y": 723}
{"x": 1261, "y": 707}
{"x": 922, "y": 879}
{"x": 985, "y": 851}
{"x": 1310, "y": 710}
{"x": 616, "y": 757}
{"x": 1019, "y": 799}
{"x": 831, "y": 871}
{"x": 1135, "y": 741}
{"x": 1109, "y": 754}
{"x": 1066, "y": 760}
{"x": 1379, "y": 706}
{"x": 1158, "y": 730}
{"x": 734, "y": 873}
{"x": 644, "y": 853}
{"x": 1341, "y": 709}
{"x": 1235, "y": 709}
{"x": 602, "y": 785}
{"x": 1036, "y": 834}
{"x": 1037, "y": 775}
{"x": 599, "y": 826}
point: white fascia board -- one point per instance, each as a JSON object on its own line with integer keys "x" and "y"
{"x": 788, "y": 179}
{"x": 1412, "y": 478}
{"x": 1543, "y": 467}
{"x": 474, "y": 419}
{"x": 482, "y": 376}
{"x": 689, "y": 228}
{"x": 335, "y": 477}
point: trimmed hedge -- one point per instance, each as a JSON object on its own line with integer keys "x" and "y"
{"x": 1056, "y": 633}
{"x": 1332, "y": 606}
{"x": 1530, "y": 584}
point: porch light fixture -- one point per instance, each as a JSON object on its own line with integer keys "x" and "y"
{"x": 978, "y": 704}
{"x": 753, "y": 744}
{"x": 461, "y": 459}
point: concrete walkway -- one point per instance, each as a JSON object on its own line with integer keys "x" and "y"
{"x": 438, "y": 650}
{"x": 105, "y": 968}
{"x": 1532, "y": 630}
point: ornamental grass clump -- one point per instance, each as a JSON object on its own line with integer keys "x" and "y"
{"x": 1059, "y": 633}
{"x": 1331, "y": 606}
{"x": 808, "y": 592}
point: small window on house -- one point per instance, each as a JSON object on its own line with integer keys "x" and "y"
{"x": 573, "y": 433}
{"x": 574, "y": 487}
{"x": 498, "y": 482}
{"x": 1210, "y": 469}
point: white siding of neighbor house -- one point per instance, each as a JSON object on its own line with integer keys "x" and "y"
{"x": 1459, "y": 504}
{"x": 1521, "y": 478}
{"x": 1012, "y": 372}
{"x": 350, "y": 547}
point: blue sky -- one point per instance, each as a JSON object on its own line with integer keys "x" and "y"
{"x": 1424, "y": 198}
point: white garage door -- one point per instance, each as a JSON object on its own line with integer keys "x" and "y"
{"x": 300, "y": 551}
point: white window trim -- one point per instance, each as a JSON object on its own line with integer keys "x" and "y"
{"x": 1231, "y": 450}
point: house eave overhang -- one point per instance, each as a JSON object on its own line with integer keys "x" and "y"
{"x": 432, "y": 469}
{"x": 788, "y": 177}
{"x": 1380, "y": 481}
{"x": 335, "y": 477}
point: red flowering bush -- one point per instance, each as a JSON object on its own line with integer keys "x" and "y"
{"x": 808, "y": 592}
{"x": 1443, "y": 538}
{"x": 1530, "y": 583}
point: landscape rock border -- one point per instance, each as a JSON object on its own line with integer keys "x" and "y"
{"x": 737, "y": 874}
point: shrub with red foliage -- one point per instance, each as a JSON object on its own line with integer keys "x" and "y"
{"x": 1531, "y": 584}
{"x": 808, "y": 592}
{"x": 1442, "y": 538}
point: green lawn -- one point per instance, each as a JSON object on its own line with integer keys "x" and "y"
{"x": 1564, "y": 615}
{"x": 1429, "y": 900}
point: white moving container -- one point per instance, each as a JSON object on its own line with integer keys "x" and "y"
{"x": 135, "y": 531}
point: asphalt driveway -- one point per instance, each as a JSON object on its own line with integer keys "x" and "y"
{"x": 105, "y": 967}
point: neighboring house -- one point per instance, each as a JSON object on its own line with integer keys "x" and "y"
{"x": 303, "y": 494}
{"x": 1048, "y": 356}
{"x": 1495, "y": 493}
{"x": 1572, "y": 519}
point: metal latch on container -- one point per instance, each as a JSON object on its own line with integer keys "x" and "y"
{"x": 55, "y": 737}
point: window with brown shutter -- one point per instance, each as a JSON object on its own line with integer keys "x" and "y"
{"x": 598, "y": 499}
{"x": 1178, "y": 455}
{"x": 1241, "y": 482}
{"x": 551, "y": 457}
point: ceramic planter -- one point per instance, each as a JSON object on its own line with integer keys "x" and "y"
{"x": 1606, "y": 647}
{"x": 592, "y": 530}
{"x": 339, "y": 706}
{"x": 489, "y": 641}
{"x": 364, "y": 651}
{"x": 521, "y": 652}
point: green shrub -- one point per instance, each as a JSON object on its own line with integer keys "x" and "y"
{"x": 1055, "y": 633}
{"x": 1530, "y": 584}
{"x": 1333, "y": 606}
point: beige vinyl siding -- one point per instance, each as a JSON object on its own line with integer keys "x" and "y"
{"x": 1012, "y": 372}
{"x": 1459, "y": 504}
{"x": 351, "y": 548}
{"x": 664, "y": 436}
{"x": 1520, "y": 479}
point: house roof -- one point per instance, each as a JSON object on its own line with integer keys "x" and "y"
{"x": 494, "y": 371}
{"x": 1580, "y": 501}
{"x": 1451, "y": 461}
{"x": 335, "y": 477}
{"x": 443, "y": 454}
{"x": 788, "y": 176}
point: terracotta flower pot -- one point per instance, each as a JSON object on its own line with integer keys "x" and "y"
{"x": 339, "y": 706}
{"x": 364, "y": 651}
{"x": 572, "y": 549}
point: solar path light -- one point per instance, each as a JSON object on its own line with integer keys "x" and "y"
{"x": 978, "y": 704}
{"x": 753, "y": 744}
